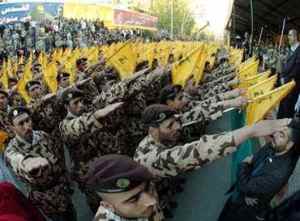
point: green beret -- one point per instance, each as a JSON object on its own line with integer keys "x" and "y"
{"x": 169, "y": 92}
{"x": 16, "y": 112}
{"x": 116, "y": 174}
{"x": 156, "y": 114}
{"x": 29, "y": 84}
{"x": 71, "y": 94}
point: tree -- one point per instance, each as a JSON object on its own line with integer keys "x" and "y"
{"x": 183, "y": 21}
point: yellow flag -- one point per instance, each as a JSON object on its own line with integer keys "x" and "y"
{"x": 26, "y": 77}
{"x": 249, "y": 70}
{"x": 262, "y": 87}
{"x": 50, "y": 76}
{"x": 3, "y": 138}
{"x": 183, "y": 69}
{"x": 124, "y": 60}
{"x": 4, "y": 79}
{"x": 199, "y": 69}
{"x": 261, "y": 105}
{"x": 248, "y": 82}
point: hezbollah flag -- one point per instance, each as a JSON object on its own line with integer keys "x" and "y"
{"x": 124, "y": 60}
{"x": 261, "y": 105}
{"x": 261, "y": 88}
{"x": 248, "y": 82}
{"x": 22, "y": 82}
{"x": 183, "y": 69}
{"x": 50, "y": 76}
{"x": 3, "y": 138}
{"x": 248, "y": 70}
{"x": 200, "y": 65}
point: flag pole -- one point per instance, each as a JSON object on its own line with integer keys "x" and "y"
{"x": 260, "y": 35}
{"x": 282, "y": 31}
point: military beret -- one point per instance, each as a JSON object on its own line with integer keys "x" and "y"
{"x": 169, "y": 92}
{"x": 81, "y": 60}
{"x": 29, "y": 84}
{"x": 3, "y": 92}
{"x": 71, "y": 94}
{"x": 156, "y": 114}
{"x": 115, "y": 174}
{"x": 61, "y": 75}
{"x": 16, "y": 112}
{"x": 13, "y": 79}
{"x": 295, "y": 126}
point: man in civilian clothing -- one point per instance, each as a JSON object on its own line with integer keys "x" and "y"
{"x": 291, "y": 71}
{"x": 262, "y": 176}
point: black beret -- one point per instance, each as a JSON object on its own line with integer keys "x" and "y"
{"x": 156, "y": 114}
{"x": 61, "y": 75}
{"x": 115, "y": 174}
{"x": 81, "y": 60}
{"x": 29, "y": 84}
{"x": 71, "y": 94}
{"x": 13, "y": 79}
{"x": 4, "y": 93}
{"x": 17, "y": 111}
{"x": 169, "y": 92}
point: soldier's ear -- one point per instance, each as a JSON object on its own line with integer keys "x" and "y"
{"x": 107, "y": 205}
{"x": 154, "y": 132}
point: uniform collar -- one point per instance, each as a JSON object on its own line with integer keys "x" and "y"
{"x": 35, "y": 138}
{"x": 71, "y": 116}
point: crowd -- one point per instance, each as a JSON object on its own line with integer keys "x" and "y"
{"x": 21, "y": 38}
{"x": 130, "y": 140}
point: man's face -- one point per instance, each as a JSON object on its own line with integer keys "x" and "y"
{"x": 170, "y": 131}
{"x": 83, "y": 66}
{"x": 76, "y": 106}
{"x": 190, "y": 87}
{"x": 292, "y": 37}
{"x": 20, "y": 73}
{"x": 37, "y": 69}
{"x": 3, "y": 102}
{"x": 179, "y": 102}
{"x": 136, "y": 203}
{"x": 64, "y": 82}
{"x": 12, "y": 84}
{"x": 280, "y": 140}
{"x": 22, "y": 126}
{"x": 35, "y": 91}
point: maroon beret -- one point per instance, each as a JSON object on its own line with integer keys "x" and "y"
{"x": 116, "y": 174}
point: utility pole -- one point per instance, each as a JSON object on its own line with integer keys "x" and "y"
{"x": 172, "y": 19}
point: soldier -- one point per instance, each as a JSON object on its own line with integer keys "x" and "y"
{"x": 63, "y": 81}
{"x": 126, "y": 189}
{"x": 87, "y": 136}
{"x": 81, "y": 65}
{"x": 4, "y": 122}
{"x": 34, "y": 90}
{"x": 36, "y": 160}
{"x": 15, "y": 100}
{"x": 164, "y": 156}
{"x": 37, "y": 72}
{"x": 197, "y": 114}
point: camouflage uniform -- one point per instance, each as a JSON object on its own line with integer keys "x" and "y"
{"x": 166, "y": 161}
{"x": 51, "y": 191}
{"x": 197, "y": 114}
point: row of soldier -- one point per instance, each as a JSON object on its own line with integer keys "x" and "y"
{"x": 156, "y": 124}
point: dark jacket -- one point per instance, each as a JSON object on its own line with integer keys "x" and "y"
{"x": 291, "y": 71}
{"x": 289, "y": 210}
{"x": 261, "y": 180}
